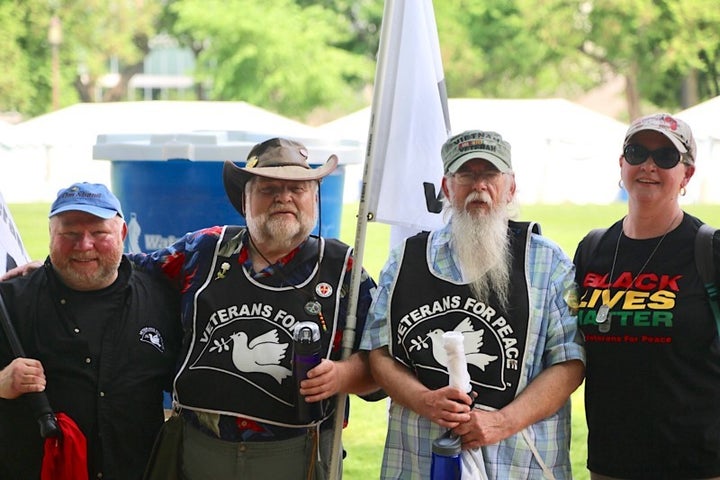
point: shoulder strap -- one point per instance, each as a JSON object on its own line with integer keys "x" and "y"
{"x": 704, "y": 253}
{"x": 590, "y": 243}
{"x": 518, "y": 227}
{"x": 706, "y": 266}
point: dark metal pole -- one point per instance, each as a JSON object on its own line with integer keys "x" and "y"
{"x": 37, "y": 401}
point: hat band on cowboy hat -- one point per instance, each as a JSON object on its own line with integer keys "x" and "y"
{"x": 278, "y": 159}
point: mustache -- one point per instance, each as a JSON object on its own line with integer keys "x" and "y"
{"x": 478, "y": 197}
{"x": 282, "y": 209}
{"x": 84, "y": 258}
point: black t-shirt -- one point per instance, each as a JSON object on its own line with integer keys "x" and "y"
{"x": 91, "y": 313}
{"x": 652, "y": 388}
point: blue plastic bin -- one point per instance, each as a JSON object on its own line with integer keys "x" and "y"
{"x": 171, "y": 184}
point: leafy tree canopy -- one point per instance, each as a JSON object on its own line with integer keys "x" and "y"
{"x": 297, "y": 56}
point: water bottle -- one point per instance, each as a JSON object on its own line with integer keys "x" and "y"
{"x": 306, "y": 356}
{"x": 446, "y": 464}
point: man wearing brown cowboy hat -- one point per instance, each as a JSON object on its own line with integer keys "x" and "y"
{"x": 245, "y": 290}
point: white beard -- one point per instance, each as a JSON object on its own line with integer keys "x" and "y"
{"x": 482, "y": 246}
{"x": 283, "y": 234}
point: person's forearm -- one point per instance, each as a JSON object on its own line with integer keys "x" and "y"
{"x": 544, "y": 395}
{"x": 397, "y": 381}
{"x": 356, "y": 375}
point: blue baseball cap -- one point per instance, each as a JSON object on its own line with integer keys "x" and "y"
{"x": 93, "y": 198}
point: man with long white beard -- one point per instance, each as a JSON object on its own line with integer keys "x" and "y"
{"x": 245, "y": 290}
{"x": 504, "y": 287}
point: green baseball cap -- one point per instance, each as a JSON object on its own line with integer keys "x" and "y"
{"x": 473, "y": 144}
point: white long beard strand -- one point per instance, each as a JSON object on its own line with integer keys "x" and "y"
{"x": 482, "y": 246}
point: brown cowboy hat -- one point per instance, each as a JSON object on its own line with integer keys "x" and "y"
{"x": 277, "y": 158}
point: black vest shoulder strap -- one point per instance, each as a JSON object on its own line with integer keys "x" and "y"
{"x": 518, "y": 227}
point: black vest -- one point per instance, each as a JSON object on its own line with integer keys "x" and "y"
{"x": 240, "y": 357}
{"x": 423, "y": 307}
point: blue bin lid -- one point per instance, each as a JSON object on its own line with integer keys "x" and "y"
{"x": 213, "y": 146}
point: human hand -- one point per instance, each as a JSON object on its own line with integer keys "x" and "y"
{"x": 21, "y": 271}
{"x": 483, "y": 428}
{"x": 447, "y": 406}
{"x": 22, "y": 375}
{"x": 322, "y": 382}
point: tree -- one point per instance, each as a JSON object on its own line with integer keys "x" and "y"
{"x": 94, "y": 34}
{"x": 275, "y": 54}
{"x": 295, "y": 56}
{"x": 512, "y": 49}
{"x": 657, "y": 46}
{"x": 15, "y": 89}
{"x": 98, "y": 33}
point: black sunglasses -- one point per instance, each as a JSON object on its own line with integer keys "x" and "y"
{"x": 666, "y": 157}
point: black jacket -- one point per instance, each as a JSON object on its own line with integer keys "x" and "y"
{"x": 107, "y": 356}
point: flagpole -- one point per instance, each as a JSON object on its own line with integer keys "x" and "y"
{"x": 36, "y": 401}
{"x": 363, "y": 217}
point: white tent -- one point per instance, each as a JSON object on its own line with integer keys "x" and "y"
{"x": 6, "y": 130}
{"x": 54, "y": 150}
{"x": 562, "y": 152}
{"x": 704, "y": 120}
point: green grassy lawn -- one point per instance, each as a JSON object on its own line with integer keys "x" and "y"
{"x": 364, "y": 437}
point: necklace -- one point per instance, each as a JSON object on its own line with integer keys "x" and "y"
{"x": 312, "y": 306}
{"x": 603, "y": 313}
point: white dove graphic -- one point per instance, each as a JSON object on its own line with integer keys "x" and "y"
{"x": 261, "y": 355}
{"x": 155, "y": 339}
{"x": 472, "y": 341}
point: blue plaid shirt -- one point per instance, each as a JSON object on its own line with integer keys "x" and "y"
{"x": 553, "y": 338}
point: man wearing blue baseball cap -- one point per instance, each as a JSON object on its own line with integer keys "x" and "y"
{"x": 100, "y": 338}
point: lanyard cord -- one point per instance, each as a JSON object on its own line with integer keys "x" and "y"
{"x": 312, "y": 307}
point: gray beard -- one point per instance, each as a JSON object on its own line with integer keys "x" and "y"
{"x": 280, "y": 234}
{"x": 482, "y": 247}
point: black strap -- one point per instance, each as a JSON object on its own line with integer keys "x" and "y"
{"x": 518, "y": 227}
{"x": 706, "y": 266}
{"x": 589, "y": 245}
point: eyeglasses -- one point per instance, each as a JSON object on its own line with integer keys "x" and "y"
{"x": 470, "y": 178}
{"x": 271, "y": 189}
{"x": 665, "y": 158}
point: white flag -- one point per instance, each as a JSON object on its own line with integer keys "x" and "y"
{"x": 12, "y": 250}
{"x": 409, "y": 120}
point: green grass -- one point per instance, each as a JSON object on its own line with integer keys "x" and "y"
{"x": 365, "y": 435}
{"x": 32, "y": 223}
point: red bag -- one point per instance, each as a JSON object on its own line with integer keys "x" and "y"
{"x": 65, "y": 457}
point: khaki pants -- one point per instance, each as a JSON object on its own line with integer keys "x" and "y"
{"x": 208, "y": 458}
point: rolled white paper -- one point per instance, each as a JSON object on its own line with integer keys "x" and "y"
{"x": 454, "y": 345}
